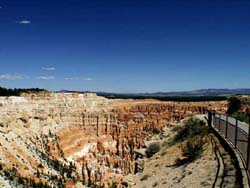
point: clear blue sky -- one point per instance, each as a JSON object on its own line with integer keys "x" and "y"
{"x": 125, "y": 45}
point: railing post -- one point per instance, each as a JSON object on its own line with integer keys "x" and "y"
{"x": 209, "y": 119}
{"x": 236, "y": 133}
{"x": 219, "y": 121}
{"x": 215, "y": 121}
{"x": 226, "y": 125}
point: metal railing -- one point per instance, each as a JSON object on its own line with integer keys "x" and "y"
{"x": 237, "y": 132}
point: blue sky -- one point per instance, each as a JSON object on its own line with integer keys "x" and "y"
{"x": 125, "y": 46}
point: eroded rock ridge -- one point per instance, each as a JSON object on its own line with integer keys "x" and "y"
{"x": 71, "y": 140}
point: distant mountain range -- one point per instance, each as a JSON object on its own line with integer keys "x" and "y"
{"x": 207, "y": 92}
{"x": 200, "y": 92}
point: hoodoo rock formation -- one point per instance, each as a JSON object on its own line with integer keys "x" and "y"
{"x": 71, "y": 140}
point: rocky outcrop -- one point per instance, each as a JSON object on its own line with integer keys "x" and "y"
{"x": 73, "y": 140}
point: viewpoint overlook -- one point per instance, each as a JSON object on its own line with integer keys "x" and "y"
{"x": 83, "y": 140}
{"x": 124, "y": 94}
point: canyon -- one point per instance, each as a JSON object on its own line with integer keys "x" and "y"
{"x": 81, "y": 140}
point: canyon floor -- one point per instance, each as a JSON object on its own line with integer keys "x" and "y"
{"x": 82, "y": 140}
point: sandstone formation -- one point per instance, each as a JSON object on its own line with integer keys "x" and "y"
{"x": 71, "y": 140}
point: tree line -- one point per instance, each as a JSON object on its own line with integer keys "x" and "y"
{"x": 235, "y": 105}
{"x": 17, "y": 91}
{"x": 166, "y": 98}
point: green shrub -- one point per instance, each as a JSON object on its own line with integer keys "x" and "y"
{"x": 193, "y": 132}
{"x": 245, "y": 101}
{"x": 193, "y": 148}
{"x": 234, "y": 104}
{"x": 242, "y": 116}
{"x": 156, "y": 130}
{"x": 153, "y": 148}
{"x": 145, "y": 177}
{"x": 192, "y": 127}
{"x": 150, "y": 129}
{"x": 177, "y": 128}
{"x": 165, "y": 143}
